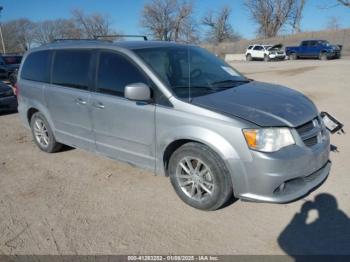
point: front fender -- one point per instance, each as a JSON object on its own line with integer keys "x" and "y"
{"x": 205, "y": 136}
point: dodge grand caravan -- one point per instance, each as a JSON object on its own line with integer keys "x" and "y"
{"x": 178, "y": 111}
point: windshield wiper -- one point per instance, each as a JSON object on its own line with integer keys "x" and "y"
{"x": 228, "y": 83}
{"x": 187, "y": 87}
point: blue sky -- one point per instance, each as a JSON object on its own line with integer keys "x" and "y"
{"x": 125, "y": 13}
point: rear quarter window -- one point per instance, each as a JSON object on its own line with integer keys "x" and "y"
{"x": 36, "y": 67}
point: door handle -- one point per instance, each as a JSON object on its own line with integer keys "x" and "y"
{"x": 80, "y": 101}
{"x": 99, "y": 105}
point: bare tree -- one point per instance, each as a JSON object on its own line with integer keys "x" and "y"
{"x": 18, "y": 35}
{"x": 271, "y": 15}
{"x": 297, "y": 15}
{"x": 220, "y": 29}
{"x": 49, "y": 30}
{"x": 92, "y": 25}
{"x": 170, "y": 20}
{"x": 344, "y": 2}
{"x": 333, "y": 23}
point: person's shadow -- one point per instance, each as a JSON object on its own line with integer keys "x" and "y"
{"x": 329, "y": 234}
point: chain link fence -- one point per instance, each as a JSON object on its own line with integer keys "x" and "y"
{"x": 339, "y": 37}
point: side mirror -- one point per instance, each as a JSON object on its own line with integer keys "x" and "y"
{"x": 137, "y": 92}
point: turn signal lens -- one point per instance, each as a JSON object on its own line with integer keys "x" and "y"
{"x": 250, "y": 136}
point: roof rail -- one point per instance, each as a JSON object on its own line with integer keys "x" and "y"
{"x": 77, "y": 39}
{"x": 106, "y": 36}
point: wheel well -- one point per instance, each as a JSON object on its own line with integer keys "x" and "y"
{"x": 30, "y": 113}
{"x": 171, "y": 148}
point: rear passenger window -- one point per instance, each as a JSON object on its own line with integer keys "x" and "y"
{"x": 71, "y": 68}
{"x": 115, "y": 72}
{"x": 258, "y": 48}
{"x": 36, "y": 67}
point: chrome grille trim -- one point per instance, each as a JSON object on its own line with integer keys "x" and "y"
{"x": 310, "y": 132}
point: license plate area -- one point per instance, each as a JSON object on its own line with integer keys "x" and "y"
{"x": 332, "y": 124}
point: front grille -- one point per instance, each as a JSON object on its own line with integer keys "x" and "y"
{"x": 311, "y": 141}
{"x": 305, "y": 127}
{"x": 310, "y": 132}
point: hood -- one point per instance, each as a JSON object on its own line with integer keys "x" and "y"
{"x": 261, "y": 103}
{"x": 335, "y": 47}
{"x": 4, "y": 88}
{"x": 276, "y": 47}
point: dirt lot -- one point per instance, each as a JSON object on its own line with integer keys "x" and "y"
{"x": 74, "y": 202}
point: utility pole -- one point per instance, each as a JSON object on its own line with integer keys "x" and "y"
{"x": 2, "y": 38}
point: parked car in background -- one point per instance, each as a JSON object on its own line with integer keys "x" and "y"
{"x": 178, "y": 111}
{"x": 13, "y": 77}
{"x": 321, "y": 49}
{"x": 265, "y": 52}
{"x": 8, "y": 100}
{"x": 8, "y": 65}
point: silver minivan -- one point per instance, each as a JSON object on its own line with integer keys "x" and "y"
{"x": 178, "y": 111}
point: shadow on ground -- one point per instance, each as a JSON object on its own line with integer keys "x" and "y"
{"x": 328, "y": 234}
{"x": 7, "y": 112}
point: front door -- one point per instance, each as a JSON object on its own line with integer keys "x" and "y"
{"x": 123, "y": 129}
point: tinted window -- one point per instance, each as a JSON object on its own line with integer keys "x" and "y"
{"x": 304, "y": 43}
{"x": 37, "y": 66}
{"x": 115, "y": 72}
{"x": 258, "y": 47}
{"x": 71, "y": 68}
{"x": 250, "y": 47}
{"x": 12, "y": 60}
{"x": 312, "y": 43}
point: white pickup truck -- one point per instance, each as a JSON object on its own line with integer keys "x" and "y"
{"x": 265, "y": 52}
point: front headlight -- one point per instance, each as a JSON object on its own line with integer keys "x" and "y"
{"x": 268, "y": 139}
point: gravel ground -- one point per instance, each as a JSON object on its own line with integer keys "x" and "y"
{"x": 74, "y": 202}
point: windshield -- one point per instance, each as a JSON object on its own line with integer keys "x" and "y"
{"x": 324, "y": 42}
{"x": 12, "y": 60}
{"x": 190, "y": 71}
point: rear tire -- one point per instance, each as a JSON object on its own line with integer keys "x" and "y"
{"x": 249, "y": 57}
{"x": 200, "y": 177}
{"x": 293, "y": 56}
{"x": 43, "y": 135}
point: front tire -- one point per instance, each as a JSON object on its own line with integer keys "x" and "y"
{"x": 266, "y": 58}
{"x": 323, "y": 56}
{"x": 43, "y": 135}
{"x": 200, "y": 177}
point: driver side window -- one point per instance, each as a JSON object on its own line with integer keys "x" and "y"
{"x": 115, "y": 72}
{"x": 258, "y": 48}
